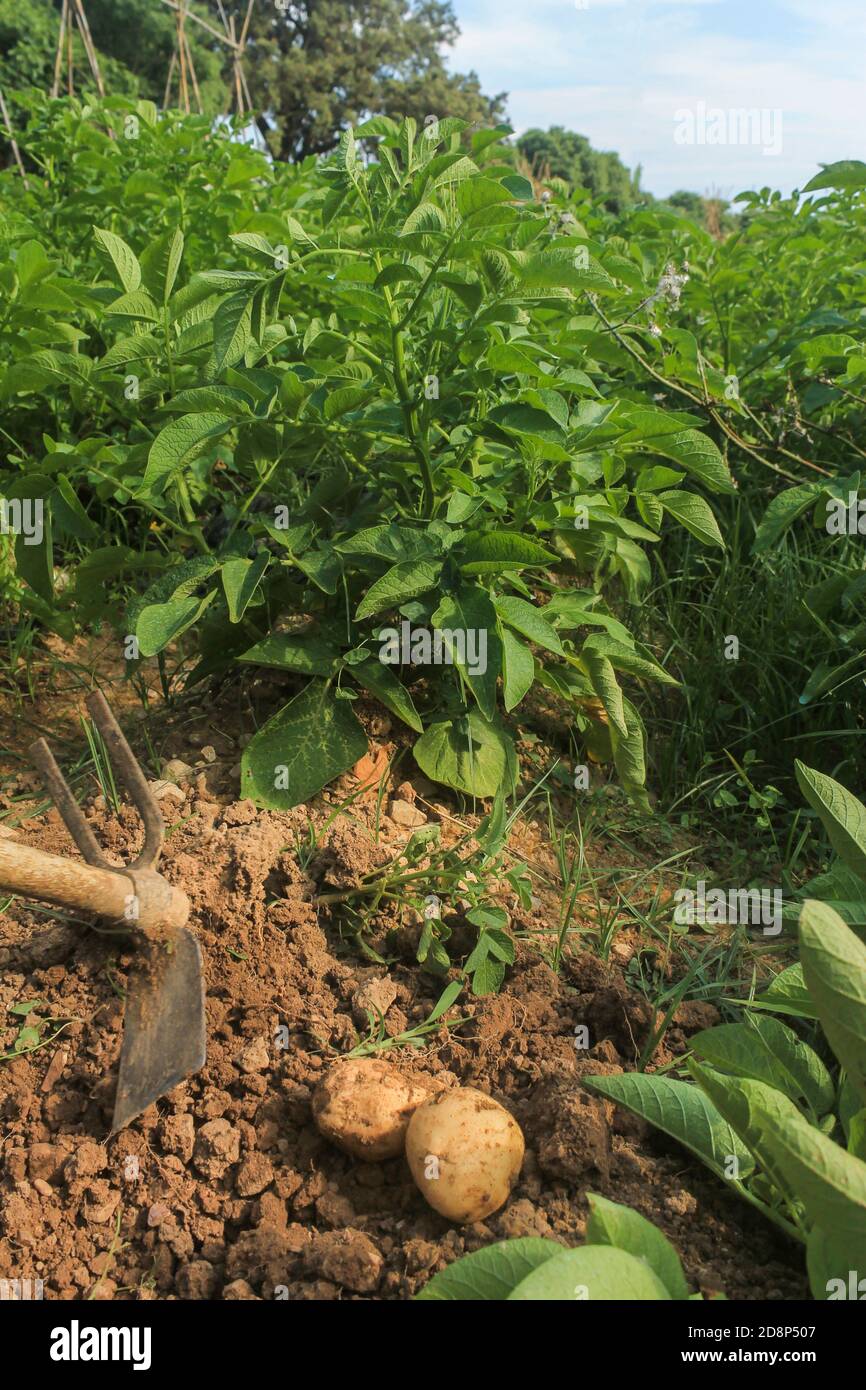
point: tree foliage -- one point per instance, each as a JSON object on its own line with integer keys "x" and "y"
{"x": 324, "y": 64}
{"x": 563, "y": 154}
{"x": 313, "y": 67}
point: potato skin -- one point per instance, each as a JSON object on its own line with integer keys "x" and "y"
{"x": 479, "y": 1148}
{"x": 363, "y": 1105}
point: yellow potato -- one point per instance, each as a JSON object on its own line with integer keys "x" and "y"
{"x": 465, "y": 1152}
{"x": 364, "y": 1106}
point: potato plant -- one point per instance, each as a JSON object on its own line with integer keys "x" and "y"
{"x": 341, "y": 418}
{"x": 766, "y": 1114}
{"x": 624, "y": 1257}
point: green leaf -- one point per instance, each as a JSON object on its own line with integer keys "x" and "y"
{"x": 518, "y": 669}
{"x": 240, "y": 581}
{"x": 629, "y": 756}
{"x": 179, "y": 443}
{"x": 834, "y": 968}
{"x": 843, "y": 816}
{"x": 310, "y": 654}
{"x": 34, "y": 562}
{"x": 467, "y": 620}
{"x": 682, "y": 1111}
{"x": 619, "y": 1226}
{"x": 390, "y": 542}
{"x": 823, "y": 348}
{"x": 175, "y": 255}
{"x": 468, "y": 754}
{"x": 68, "y": 512}
{"x": 767, "y": 1050}
{"x": 139, "y": 348}
{"x": 23, "y": 1009}
{"x": 592, "y": 1273}
{"x": 521, "y": 419}
{"x": 487, "y": 975}
{"x": 606, "y": 686}
{"x": 787, "y": 994}
{"x": 232, "y": 329}
{"x": 135, "y": 305}
{"x": 491, "y": 1273}
{"x": 625, "y": 658}
{"x": 224, "y": 400}
{"x": 844, "y": 174}
{"x": 831, "y": 1260}
{"x": 345, "y": 398}
{"x": 829, "y": 1183}
{"x": 178, "y": 581}
{"x": 161, "y": 623}
{"x": 380, "y": 679}
{"x": 476, "y": 193}
{"x": 123, "y": 258}
{"x": 495, "y": 552}
{"x": 848, "y": 1106}
{"x": 426, "y": 217}
{"x": 528, "y": 620}
{"x": 695, "y": 514}
{"x": 401, "y": 582}
{"x": 259, "y": 245}
{"x": 783, "y": 511}
{"x": 308, "y": 743}
{"x": 698, "y": 455}
{"x": 296, "y": 231}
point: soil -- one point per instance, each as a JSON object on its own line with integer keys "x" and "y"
{"x": 224, "y": 1189}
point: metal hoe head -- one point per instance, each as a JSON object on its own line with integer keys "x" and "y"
{"x": 164, "y": 1025}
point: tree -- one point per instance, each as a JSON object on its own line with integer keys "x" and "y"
{"x": 134, "y": 40}
{"x": 315, "y": 66}
{"x": 563, "y": 154}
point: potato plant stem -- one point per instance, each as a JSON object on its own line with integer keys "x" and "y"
{"x": 410, "y": 410}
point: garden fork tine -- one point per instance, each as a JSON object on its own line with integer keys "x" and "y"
{"x": 131, "y": 775}
{"x": 164, "y": 1025}
{"x": 58, "y": 789}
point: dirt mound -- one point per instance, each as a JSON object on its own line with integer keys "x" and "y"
{"x": 224, "y": 1189}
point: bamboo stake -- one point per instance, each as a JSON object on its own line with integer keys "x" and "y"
{"x": 89, "y": 46}
{"x": 223, "y": 15}
{"x": 242, "y": 41}
{"x": 193, "y": 75}
{"x": 171, "y": 68}
{"x": 190, "y": 14}
{"x": 246, "y": 89}
{"x": 239, "y": 94}
{"x": 181, "y": 55}
{"x": 12, "y": 141}
{"x": 58, "y": 57}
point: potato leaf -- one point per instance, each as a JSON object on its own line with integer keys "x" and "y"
{"x": 308, "y": 743}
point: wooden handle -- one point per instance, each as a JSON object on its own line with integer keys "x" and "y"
{"x": 69, "y": 883}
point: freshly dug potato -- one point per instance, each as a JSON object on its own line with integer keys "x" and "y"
{"x": 364, "y": 1106}
{"x": 465, "y": 1152}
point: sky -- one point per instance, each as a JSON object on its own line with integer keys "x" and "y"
{"x": 661, "y": 82}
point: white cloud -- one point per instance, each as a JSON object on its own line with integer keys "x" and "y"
{"x": 618, "y": 71}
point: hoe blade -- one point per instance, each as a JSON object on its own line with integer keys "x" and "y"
{"x": 164, "y": 1026}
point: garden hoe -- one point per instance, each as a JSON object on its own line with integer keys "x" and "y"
{"x": 164, "y": 1026}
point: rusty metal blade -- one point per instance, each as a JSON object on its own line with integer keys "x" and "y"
{"x": 164, "y": 1026}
